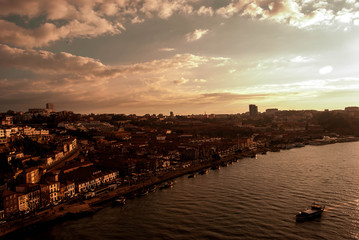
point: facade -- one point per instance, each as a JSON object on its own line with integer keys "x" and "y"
{"x": 11, "y": 204}
{"x": 54, "y": 189}
{"x": 32, "y": 175}
{"x": 68, "y": 190}
{"x": 88, "y": 179}
{"x": 45, "y": 195}
{"x": 29, "y": 198}
{"x": 8, "y": 120}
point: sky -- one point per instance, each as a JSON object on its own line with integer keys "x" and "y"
{"x": 185, "y": 56}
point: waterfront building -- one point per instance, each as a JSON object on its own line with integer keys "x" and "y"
{"x": 51, "y": 180}
{"x": 54, "y": 188}
{"x": 45, "y": 195}
{"x": 67, "y": 190}
{"x": 11, "y": 204}
{"x": 29, "y": 198}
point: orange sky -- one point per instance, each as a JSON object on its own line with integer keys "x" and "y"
{"x": 185, "y": 56}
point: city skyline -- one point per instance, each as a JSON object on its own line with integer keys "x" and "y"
{"x": 185, "y": 56}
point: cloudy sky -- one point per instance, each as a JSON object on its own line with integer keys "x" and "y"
{"x": 185, "y": 56}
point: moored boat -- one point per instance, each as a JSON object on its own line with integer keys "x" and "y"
{"x": 144, "y": 192}
{"x": 120, "y": 201}
{"x": 203, "y": 171}
{"x": 309, "y": 214}
{"x": 168, "y": 184}
{"x": 152, "y": 188}
{"x": 193, "y": 175}
{"x": 215, "y": 167}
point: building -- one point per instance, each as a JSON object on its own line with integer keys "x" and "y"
{"x": 11, "y": 204}
{"x": 50, "y": 107}
{"x": 253, "y": 110}
{"x": 67, "y": 190}
{"x": 8, "y": 120}
{"x": 29, "y": 198}
{"x": 271, "y": 111}
{"x": 32, "y": 175}
{"x": 352, "y": 109}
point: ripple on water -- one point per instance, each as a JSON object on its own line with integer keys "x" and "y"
{"x": 251, "y": 199}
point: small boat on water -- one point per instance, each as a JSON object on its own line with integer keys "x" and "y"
{"x": 168, "y": 184}
{"x": 309, "y": 214}
{"x": 224, "y": 164}
{"x": 120, "y": 201}
{"x": 152, "y": 188}
{"x": 215, "y": 167}
{"x": 144, "y": 192}
{"x": 203, "y": 171}
{"x": 193, "y": 175}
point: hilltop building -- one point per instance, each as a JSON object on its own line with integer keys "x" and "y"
{"x": 50, "y": 107}
{"x": 253, "y": 110}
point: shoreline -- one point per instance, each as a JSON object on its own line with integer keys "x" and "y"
{"x": 79, "y": 209}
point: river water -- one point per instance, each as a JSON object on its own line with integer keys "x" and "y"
{"x": 255, "y": 198}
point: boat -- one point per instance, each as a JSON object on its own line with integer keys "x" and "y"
{"x": 168, "y": 184}
{"x": 215, "y": 167}
{"x": 153, "y": 188}
{"x": 203, "y": 171}
{"x": 315, "y": 211}
{"x": 144, "y": 192}
{"x": 224, "y": 164}
{"x": 120, "y": 201}
{"x": 193, "y": 175}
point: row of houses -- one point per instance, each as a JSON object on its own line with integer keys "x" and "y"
{"x": 35, "y": 134}
{"x": 25, "y": 131}
{"x": 53, "y": 188}
{"x": 68, "y": 146}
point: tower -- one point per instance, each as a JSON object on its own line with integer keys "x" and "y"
{"x": 253, "y": 110}
{"x": 50, "y": 107}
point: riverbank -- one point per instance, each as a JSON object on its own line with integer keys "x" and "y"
{"x": 87, "y": 207}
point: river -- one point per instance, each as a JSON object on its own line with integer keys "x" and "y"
{"x": 255, "y": 198}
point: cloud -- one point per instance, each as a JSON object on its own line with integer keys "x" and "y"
{"x": 137, "y": 20}
{"x": 65, "y": 19}
{"x": 89, "y": 84}
{"x": 300, "y": 59}
{"x": 325, "y": 70}
{"x": 48, "y": 32}
{"x": 165, "y": 8}
{"x": 167, "y": 49}
{"x": 196, "y": 35}
{"x": 205, "y": 11}
{"x": 200, "y": 80}
{"x": 72, "y": 67}
{"x": 297, "y": 13}
{"x": 181, "y": 81}
{"x": 47, "y": 62}
{"x": 310, "y": 86}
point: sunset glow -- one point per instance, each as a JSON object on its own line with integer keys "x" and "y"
{"x": 185, "y": 56}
